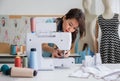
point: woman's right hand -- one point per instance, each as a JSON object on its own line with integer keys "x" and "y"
{"x": 60, "y": 53}
{"x": 57, "y": 53}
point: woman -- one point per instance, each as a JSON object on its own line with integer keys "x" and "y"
{"x": 72, "y": 21}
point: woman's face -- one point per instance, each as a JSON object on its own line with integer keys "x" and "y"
{"x": 69, "y": 25}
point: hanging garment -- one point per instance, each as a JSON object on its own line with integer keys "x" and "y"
{"x": 86, "y": 52}
{"x": 110, "y": 41}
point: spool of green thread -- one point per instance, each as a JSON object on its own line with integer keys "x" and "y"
{"x": 25, "y": 61}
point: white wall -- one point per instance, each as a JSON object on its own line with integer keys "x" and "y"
{"x": 49, "y": 7}
{"x": 37, "y": 7}
{"x": 99, "y": 6}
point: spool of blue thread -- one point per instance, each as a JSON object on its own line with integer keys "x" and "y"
{"x": 13, "y": 49}
{"x": 33, "y": 59}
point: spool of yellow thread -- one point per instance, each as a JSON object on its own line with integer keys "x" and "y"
{"x": 22, "y": 49}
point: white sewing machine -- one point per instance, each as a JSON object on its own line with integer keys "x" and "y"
{"x": 62, "y": 40}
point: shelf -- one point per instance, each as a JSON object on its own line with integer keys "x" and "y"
{"x": 9, "y": 55}
{"x": 7, "y": 58}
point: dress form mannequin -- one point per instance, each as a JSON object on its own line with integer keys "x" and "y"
{"x": 110, "y": 41}
{"x": 90, "y": 22}
{"x": 108, "y": 13}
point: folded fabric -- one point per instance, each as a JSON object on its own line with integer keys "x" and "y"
{"x": 79, "y": 74}
{"x": 98, "y": 72}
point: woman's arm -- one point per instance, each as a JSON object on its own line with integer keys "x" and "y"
{"x": 54, "y": 50}
{"x": 47, "y": 48}
{"x": 97, "y": 32}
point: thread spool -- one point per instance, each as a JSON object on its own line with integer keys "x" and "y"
{"x": 25, "y": 61}
{"x": 5, "y": 69}
{"x": 18, "y": 72}
{"x": 18, "y": 61}
{"x": 33, "y": 59}
{"x": 13, "y": 49}
{"x": 22, "y": 49}
{"x": 32, "y": 21}
{"x": 22, "y": 72}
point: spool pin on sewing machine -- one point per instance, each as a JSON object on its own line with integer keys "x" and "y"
{"x": 45, "y": 33}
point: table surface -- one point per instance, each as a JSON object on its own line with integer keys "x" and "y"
{"x": 56, "y": 75}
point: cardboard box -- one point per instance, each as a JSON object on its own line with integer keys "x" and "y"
{"x": 4, "y": 48}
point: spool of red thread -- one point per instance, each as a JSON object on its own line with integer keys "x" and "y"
{"x": 33, "y": 28}
{"x": 18, "y": 61}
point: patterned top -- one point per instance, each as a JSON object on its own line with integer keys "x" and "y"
{"x": 110, "y": 42}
